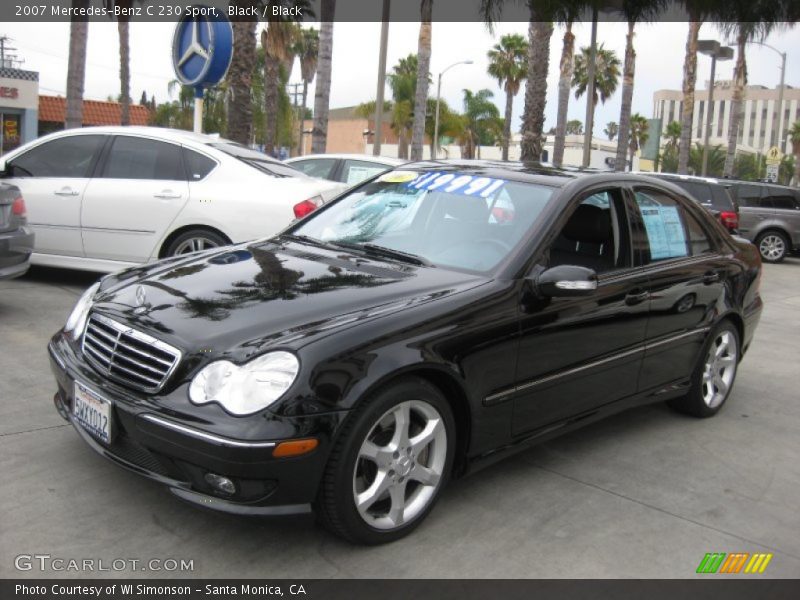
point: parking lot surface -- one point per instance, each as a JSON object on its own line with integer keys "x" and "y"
{"x": 644, "y": 494}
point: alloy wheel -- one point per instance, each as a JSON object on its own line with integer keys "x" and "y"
{"x": 400, "y": 465}
{"x": 772, "y": 247}
{"x": 195, "y": 244}
{"x": 719, "y": 369}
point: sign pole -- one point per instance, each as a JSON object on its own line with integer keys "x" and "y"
{"x": 198, "y": 109}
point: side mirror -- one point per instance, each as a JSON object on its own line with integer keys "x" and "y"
{"x": 566, "y": 280}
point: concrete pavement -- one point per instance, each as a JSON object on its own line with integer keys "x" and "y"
{"x": 643, "y": 494}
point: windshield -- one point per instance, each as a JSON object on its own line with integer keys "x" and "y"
{"x": 257, "y": 160}
{"x": 442, "y": 218}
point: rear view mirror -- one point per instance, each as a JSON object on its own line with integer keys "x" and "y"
{"x": 567, "y": 280}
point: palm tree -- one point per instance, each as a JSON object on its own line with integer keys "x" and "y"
{"x": 575, "y": 127}
{"x": 240, "y": 77}
{"x": 634, "y": 12}
{"x": 794, "y": 137}
{"x": 638, "y": 135}
{"x": 569, "y": 14}
{"x": 480, "y": 114}
{"x": 403, "y": 84}
{"x": 123, "y": 31}
{"x": 322, "y": 94}
{"x": 423, "y": 75}
{"x": 307, "y": 51}
{"x": 716, "y": 160}
{"x": 673, "y": 135}
{"x": 606, "y": 74}
{"x": 755, "y": 25}
{"x": 278, "y": 40}
{"x": 508, "y": 63}
{"x": 611, "y": 130}
{"x": 76, "y": 68}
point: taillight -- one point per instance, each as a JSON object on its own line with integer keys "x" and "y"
{"x": 729, "y": 218}
{"x": 307, "y": 206}
{"x": 18, "y": 208}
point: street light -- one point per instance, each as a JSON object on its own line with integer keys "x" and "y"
{"x": 713, "y": 49}
{"x": 438, "y": 95}
{"x": 777, "y": 126}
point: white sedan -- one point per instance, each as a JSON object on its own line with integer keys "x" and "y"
{"x": 349, "y": 169}
{"x": 105, "y": 198}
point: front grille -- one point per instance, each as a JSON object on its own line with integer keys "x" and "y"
{"x": 128, "y": 356}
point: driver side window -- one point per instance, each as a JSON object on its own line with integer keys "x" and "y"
{"x": 596, "y": 235}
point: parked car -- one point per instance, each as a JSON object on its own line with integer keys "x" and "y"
{"x": 103, "y": 198}
{"x": 16, "y": 238}
{"x": 402, "y": 334}
{"x": 713, "y": 194}
{"x": 349, "y": 169}
{"x": 770, "y": 217}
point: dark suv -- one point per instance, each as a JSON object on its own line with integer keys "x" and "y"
{"x": 713, "y": 194}
{"x": 770, "y": 217}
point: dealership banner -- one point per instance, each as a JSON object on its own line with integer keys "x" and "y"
{"x": 299, "y": 10}
{"x": 391, "y": 589}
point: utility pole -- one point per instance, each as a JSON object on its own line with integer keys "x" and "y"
{"x": 377, "y": 137}
{"x": 295, "y": 93}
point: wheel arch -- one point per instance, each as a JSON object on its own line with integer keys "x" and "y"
{"x": 162, "y": 250}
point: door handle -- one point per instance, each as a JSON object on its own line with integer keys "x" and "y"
{"x": 66, "y": 191}
{"x": 166, "y": 195}
{"x": 711, "y": 277}
{"x": 636, "y": 297}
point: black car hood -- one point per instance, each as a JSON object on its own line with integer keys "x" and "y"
{"x": 239, "y": 300}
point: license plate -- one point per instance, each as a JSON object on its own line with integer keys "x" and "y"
{"x": 92, "y": 412}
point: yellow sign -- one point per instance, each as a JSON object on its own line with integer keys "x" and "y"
{"x": 774, "y": 156}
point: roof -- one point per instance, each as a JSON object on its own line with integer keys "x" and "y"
{"x": 384, "y": 160}
{"x": 54, "y": 108}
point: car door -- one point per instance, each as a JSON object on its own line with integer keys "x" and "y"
{"x": 786, "y": 210}
{"x": 687, "y": 277}
{"x": 578, "y": 353}
{"x": 139, "y": 189}
{"x": 53, "y": 177}
{"x": 754, "y": 209}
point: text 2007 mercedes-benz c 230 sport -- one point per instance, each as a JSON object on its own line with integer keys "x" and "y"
{"x": 427, "y": 322}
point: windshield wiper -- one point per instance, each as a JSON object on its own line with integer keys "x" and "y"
{"x": 307, "y": 239}
{"x": 385, "y": 252}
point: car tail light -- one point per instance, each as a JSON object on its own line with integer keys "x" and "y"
{"x": 307, "y": 206}
{"x": 18, "y": 208}
{"x": 729, "y": 218}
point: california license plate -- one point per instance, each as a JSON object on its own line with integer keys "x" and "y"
{"x": 92, "y": 412}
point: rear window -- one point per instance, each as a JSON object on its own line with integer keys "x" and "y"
{"x": 700, "y": 191}
{"x": 257, "y": 160}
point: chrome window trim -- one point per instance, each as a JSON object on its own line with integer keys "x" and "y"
{"x": 202, "y": 435}
{"x": 505, "y": 394}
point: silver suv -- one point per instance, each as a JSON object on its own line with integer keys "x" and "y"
{"x": 769, "y": 216}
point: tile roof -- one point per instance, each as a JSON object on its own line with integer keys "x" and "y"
{"x": 53, "y": 109}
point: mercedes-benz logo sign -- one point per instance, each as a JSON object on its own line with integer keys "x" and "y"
{"x": 141, "y": 296}
{"x": 202, "y": 47}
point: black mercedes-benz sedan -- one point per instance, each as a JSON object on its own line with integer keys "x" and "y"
{"x": 427, "y": 322}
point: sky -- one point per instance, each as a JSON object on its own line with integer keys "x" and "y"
{"x": 659, "y": 47}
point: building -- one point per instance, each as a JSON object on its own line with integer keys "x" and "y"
{"x": 53, "y": 110}
{"x": 19, "y": 103}
{"x": 759, "y": 117}
{"x": 349, "y": 133}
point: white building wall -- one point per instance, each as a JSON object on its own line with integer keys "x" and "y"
{"x": 746, "y": 125}
{"x": 792, "y": 118}
{"x": 757, "y": 126}
{"x": 767, "y": 141}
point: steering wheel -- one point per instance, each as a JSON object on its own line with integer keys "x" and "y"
{"x": 498, "y": 243}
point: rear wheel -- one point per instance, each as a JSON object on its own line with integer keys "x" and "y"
{"x": 773, "y": 246}
{"x": 390, "y": 464}
{"x": 714, "y": 374}
{"x": 195, "y": 240}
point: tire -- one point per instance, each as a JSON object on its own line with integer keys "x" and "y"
{"x": 398, "y": 481}
{"x": 195, "y": 240}
{"x": 773, "y": 246}
{"x": 714, "y": 375}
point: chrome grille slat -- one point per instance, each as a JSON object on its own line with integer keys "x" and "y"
{"x": 127, "y": 355}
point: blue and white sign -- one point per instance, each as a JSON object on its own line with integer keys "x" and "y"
{"x": 202, "y": 47}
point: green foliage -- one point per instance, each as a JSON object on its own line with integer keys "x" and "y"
{"x": 611, "y": 130}
{"x": 606, "y": 75}
{"x": 481, "y": 121}
{"x": 673, "y": 134}
{"x": 639, "y": 133}
{"x": 575, "y": 127}
{"x": 750, "y": 167}
{"x": 716, "y": 160}
{"x": 508, "y": 62}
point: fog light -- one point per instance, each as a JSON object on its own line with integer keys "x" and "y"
{"x": 220, "y": 483}
{"x": 62, "y": 410}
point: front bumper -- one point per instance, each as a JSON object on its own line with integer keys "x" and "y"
{"x": 15, "y": 252}
{"x": 169, "y": 448}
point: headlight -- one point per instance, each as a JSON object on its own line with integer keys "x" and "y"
{"x": 77, "y": 318}
{"x": 244, "y": 390}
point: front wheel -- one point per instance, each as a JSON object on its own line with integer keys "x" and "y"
{"x": 390, "y": 464}
{"x": 773, "y": 246}
{"x": 714, "y": 374}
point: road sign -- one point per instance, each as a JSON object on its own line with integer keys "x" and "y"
{"x": 772, "y": 173}
{"x": 774, "y": 156}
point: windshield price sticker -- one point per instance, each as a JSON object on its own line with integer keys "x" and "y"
{"x": 456, "y": 183}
